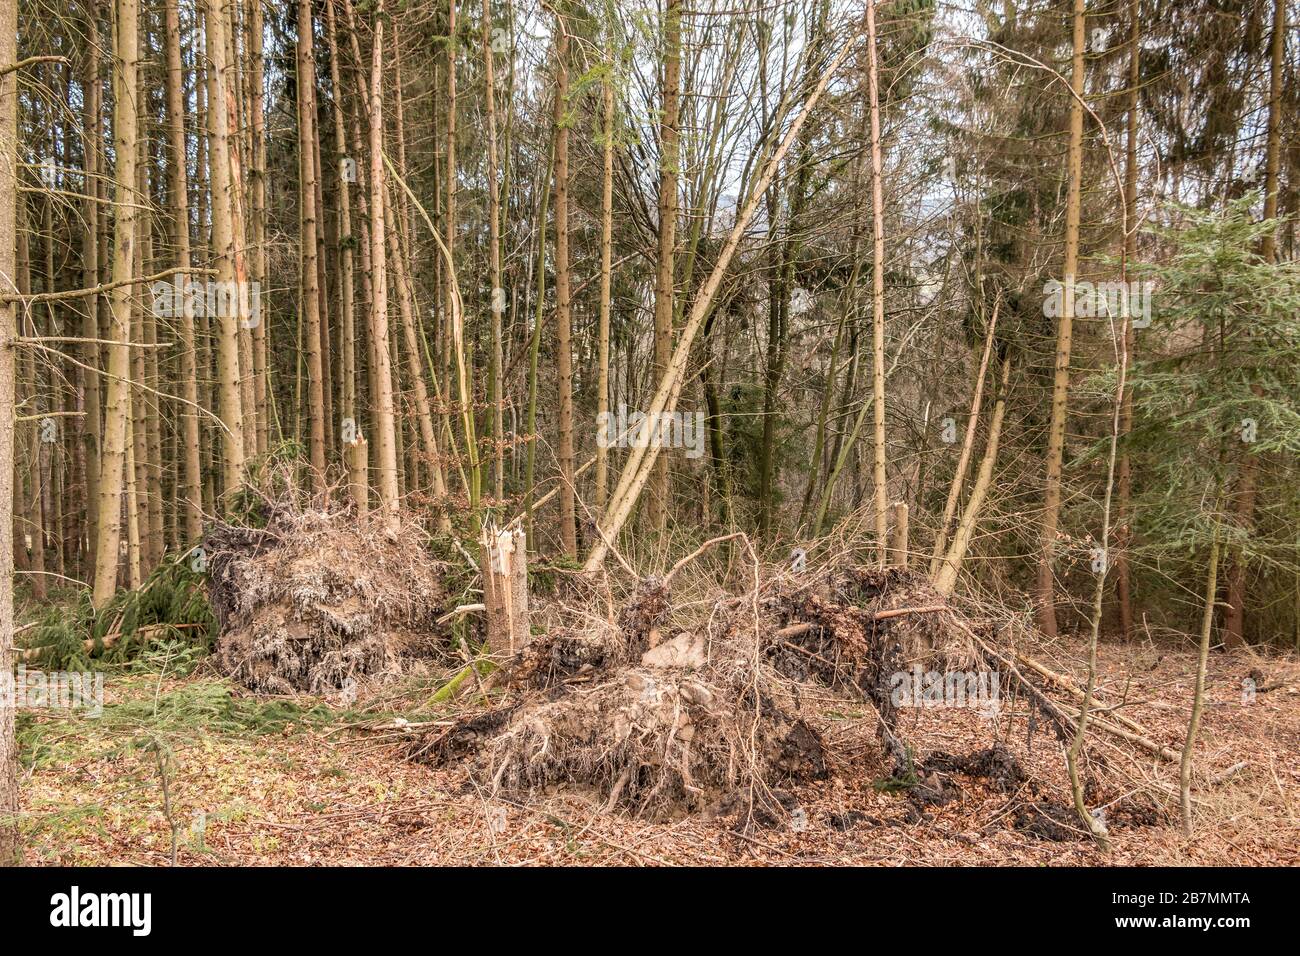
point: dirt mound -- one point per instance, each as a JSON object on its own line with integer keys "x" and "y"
{"x": 313, "y": 600}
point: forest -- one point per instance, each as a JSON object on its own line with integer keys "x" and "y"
{"x": 705, "y": 432}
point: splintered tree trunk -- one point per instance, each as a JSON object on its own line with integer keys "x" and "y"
{"x": 386, "y": 438}
{"x": 670, "y": 118}
{"x": 563, "y": 346}
{"x": 223, "y": 187}
{"x": 1064, "y": 333}
{"x": 358, "y": 475}
{"x": 308, "y": 276}
{"x": 10, "y": 847}
{"x": 898, "y": 543}
{"x": 118, "y": 401}
{"x": 178, "y": 186}
{"x": 505, "y": 588}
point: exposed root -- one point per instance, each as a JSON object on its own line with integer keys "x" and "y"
{"x": 314, "y": 600}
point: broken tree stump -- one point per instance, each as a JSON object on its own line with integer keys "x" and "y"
{"x": 898, "y": 541}
{"x": 358, "y": 465}
{"x": 505, "y": 588}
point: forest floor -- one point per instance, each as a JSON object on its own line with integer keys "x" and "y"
{"x": 186, "y": 768}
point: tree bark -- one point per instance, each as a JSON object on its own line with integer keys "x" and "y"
{"x": 1064, "y": 333}
{"x": 1123, "y": 530}
{"x": 178, "y": 186}
{"x": 225, "y": 238}
{"x": 880, "y": 486}
{"x": 118, "y": 402}
{"x": 563, "y": 345}
{"x": 606, "y": 273}
{"x": 92, "y": 425}
{"x": 308, "y": 275}
{"x": 946, "y": 580}
{"x": 386, "y": 440}
{"x": 1234, "y": 614}
{"x": 669, "y": 160}
{"x": 10, "y": 845}
{"x": 498, "y": 303}
{"x": 1198, "y": 696}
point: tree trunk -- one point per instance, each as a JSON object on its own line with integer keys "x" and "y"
{"x": 1064, "y": 333}
{"x": 10, "y": 847}
{"x": 118, "y": 401}
{"x": 504, "y": 556}
{"x": 877, "y": 294}
{"x": 308, "y": 274}
{"x": 257, "y": 184}
{"x": 1234, "y": 615}
{"x": 1198, "y": 696}
{"x": 498, "y": 304}
{"x": 92, "y": 425}
{"x": 178, "y": 186}
{"x": 563, "y": 345}
{"x": 946, "y": 580}
{"x": 669, "y": 160}
{"x": 1123, "y": 530}
{"x": 347, "y": 309}
{"x": 386, "y": 438}
{"x": 967, "y": 447}
{"x": 224, "y": 189}
{"x": 606, "y": 274}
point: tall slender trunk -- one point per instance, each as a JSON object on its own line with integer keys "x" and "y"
{"x": 10, "y": 846}
{"x": 945, "y": 579}
{"x": 669, "y": 160}
{"x": 257, "y": 187}
{"x": 118, "y": 400}
{"x": 1123, "y": 530}
{"x": 428, "y": 445}
{"x": 534, "y": 347}
{"x": 92, "y": 425}
{"x": 386, "y": 440}
{"x": 308, "y": 274}
{"x": 178, "y": 186}
{"x": 1064, "y": 332}
{"x": 225, "y": 241}
{"x": 347, "y": 310}
{"x": 1198, "y": 695}
{"x": 967, "y": 446}
{"x": 497, "y": 367}
{"x": 881, "y": 490}
{"x": 563, "y": 344}
{"x": 606, "y": 273}
{"x": 1234, "y": 614}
